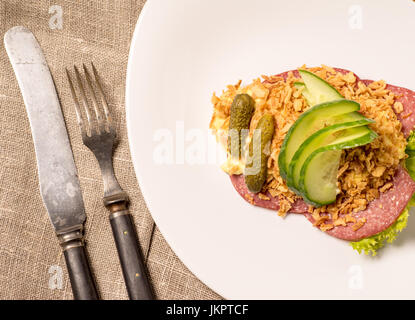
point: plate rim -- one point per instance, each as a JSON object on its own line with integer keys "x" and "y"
{"x": 185, "y": 258}
{"x": 128, "y": 111}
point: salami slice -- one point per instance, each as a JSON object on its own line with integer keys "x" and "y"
{"x": 239, "y": 183}
{"x": 381, "y": 213}
{"x": 407, "y": 98}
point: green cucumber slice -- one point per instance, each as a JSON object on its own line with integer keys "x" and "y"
{"x": 318, "y": 176}
{"x": 319, "y": 116}
{"x": 306, "y": 94}
{"x": 319, "y": 90}
{"x": 330, "y": 135}
{"x": 322, "y": 170}
{"x": 315, "y": 90}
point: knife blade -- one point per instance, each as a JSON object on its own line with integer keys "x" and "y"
{"x": 58, "y": 179}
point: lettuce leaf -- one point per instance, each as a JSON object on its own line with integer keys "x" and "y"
{"x": 411, "y": 143}
{"x": 372, "y": 244}
{"x": 410, "y": 151}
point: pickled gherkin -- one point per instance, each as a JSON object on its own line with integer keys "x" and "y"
{"x": 259, "y": 151}
{"x": 242, "y": 109}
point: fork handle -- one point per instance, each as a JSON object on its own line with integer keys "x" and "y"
{"x": 131, "y": 259}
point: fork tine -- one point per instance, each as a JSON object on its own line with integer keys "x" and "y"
{"x": 83, "y": 98}
{"x": 93, "y": 98}
{"x": 101, "y": 93}
{"x": 76, "y": 102}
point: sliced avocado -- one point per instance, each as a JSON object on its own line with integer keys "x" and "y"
{"x": 318, "y": 176}
{"x": 319, "y": 116}
{"x": 323, "y": 137}
{"x": 319, "y": 90}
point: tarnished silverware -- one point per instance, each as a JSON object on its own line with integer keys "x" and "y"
{"x": 58, "y": 179}
{"x": 99, "y": 135}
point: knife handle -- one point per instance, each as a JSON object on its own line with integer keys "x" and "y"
{"x": 131, "y": 258}
{"x": 80, "y": 275}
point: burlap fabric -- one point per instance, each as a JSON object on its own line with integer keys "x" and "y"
{"x": 30, "y": 257}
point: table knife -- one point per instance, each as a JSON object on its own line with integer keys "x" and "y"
{"x": 58, "y": 179}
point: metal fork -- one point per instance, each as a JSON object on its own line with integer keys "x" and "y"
{"x": 99, "y": 135}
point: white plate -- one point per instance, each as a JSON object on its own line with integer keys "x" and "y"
{"x": 182, "y": 51}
